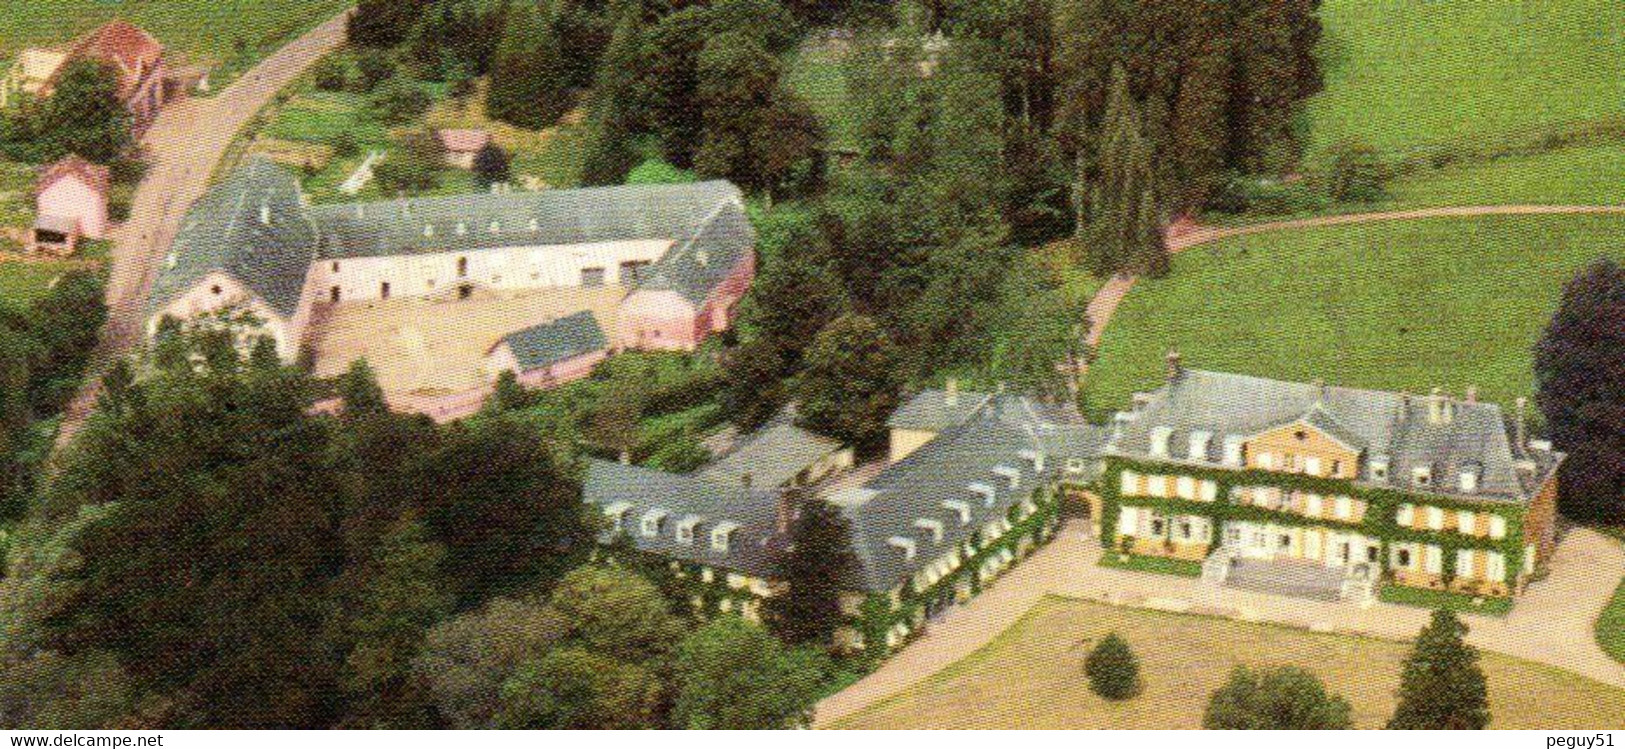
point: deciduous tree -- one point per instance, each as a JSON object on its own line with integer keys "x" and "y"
{"x": 1279, "y": 699}
{"x": 1579, "y": 365}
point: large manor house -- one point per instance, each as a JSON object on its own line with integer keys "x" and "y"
{"x": 1301, "y": 489}
{"x": 684, "y": 253}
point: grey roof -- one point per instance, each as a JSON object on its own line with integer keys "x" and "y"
{"x": 935, "y": 410}
{"x": 550, "y": 343}
{"x": 772, "y": 455}
{"x": 755, "y": 511}
{"x": 1004, "y": 433}
{"x": 1376, "y": 423}
{"x": 552, "y": 217}
{"x": 251, "y": 227}
{"x": 705, "y": 221}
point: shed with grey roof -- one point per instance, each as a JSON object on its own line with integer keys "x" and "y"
{"x": 554, "y": 342}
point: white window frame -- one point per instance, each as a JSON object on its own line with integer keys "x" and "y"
{"x": 1406, "y": 517}
{"x": 1345, "y": 508}
{"x": 1466, "y": 521}
{"x": 1210, "y": 490}
{"x": 1156, "y": 486}
{"x": 1498, "y": 526}
{"x": 1312, "y": 505}
{"x": 1495, "y": 566}
{"x": 1129, "y": 483}
{"x": 1435, "y": 517}
{"x": 1185, "y": 487}
{"x": 1311, "y": 465}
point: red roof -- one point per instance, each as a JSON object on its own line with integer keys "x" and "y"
{"x": 94, "y": 175}
{"x": 464, "y": 141}
{"x": 131, "y": 50}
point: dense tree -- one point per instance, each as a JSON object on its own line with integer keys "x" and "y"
{"x": 84, "y": 115}
{"x": 1041, "y": 348}
{"x": 467, "y": 660}
{"x": 1279, "y": 699}
{"x": 412, "y": 168}
{"x": 398, "y": 101}
{"x": 1120, "y": 219}
{"x": 732, "y": 675}
{"x": 571, "y": 688}
{"x": 796, "y": 297}
{"x": 209, "y": 573}
{"x": 1442, "y": 686}
{"x": 509, "y": 515}
{"x": 454, "y": 38}
{"x": 755, "y": 389}
{"x": 64, "y": 324}
{"x": 1113, "y": 671}
{"x": 372, "y": 68}
{"x": 816, "y": 566}
{"x": 851, "y": 384}
{"x": 48, "y": 690}
{"x": 1579, "y": 365}
{"x": 671, "y": 52}
{"x": 615, "y": 613}
{"x": 530, "y": 80}
{"x": 383, "y": 23}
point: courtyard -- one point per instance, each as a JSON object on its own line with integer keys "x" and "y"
{"x": 437, "y": 345}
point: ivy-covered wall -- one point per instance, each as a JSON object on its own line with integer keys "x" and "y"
{"x": 1380, "y": 520}
{"x": 878, "y": 616}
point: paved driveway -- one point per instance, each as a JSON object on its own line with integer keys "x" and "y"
{"x": 1552, "y": 622}
{"x": 184, "y": 146}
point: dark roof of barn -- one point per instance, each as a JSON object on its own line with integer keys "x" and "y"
{"x": 553, "y": 342}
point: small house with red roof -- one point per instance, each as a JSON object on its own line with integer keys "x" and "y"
{"x": 71, "y": 200}
{"x": 135, "y": 56}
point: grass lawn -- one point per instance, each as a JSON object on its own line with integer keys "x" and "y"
{"x": 1611, "y": 626}
{"x": 1031, "y": 676}
{"x": 1586, "y": 175}
{"x": 1161, "y": 565}
{"x": 1405, "y": 305}
{"x": 1403, "y": 73}
{"x": 23, "y": 281}
{"x": 227, "y": 34}
{"x": 1440, "y": 599}
{"x": 817, "y": 76}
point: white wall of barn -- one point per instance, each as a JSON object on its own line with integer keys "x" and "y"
{"x": 512, "y": 268}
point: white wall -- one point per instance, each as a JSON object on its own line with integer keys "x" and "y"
{"x": 535, "y": 267}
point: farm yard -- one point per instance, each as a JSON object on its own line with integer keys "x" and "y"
{"x": 1031, "y": 676}
{"x": 1391, "y": 305}
{"x": 226, "y": 35}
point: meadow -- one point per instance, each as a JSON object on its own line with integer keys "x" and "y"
{"x": 1396, "y": 305}
{"x": 1031, "y": 676}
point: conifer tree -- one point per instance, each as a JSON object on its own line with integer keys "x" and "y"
{"x": 816, "y": 566}
{"x": 1113, "y": 671}
{"x": 1120, "y": 221}
{"x": 1442, "y": 686}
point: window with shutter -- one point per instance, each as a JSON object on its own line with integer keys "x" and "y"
{"x": 1498, "y": 526}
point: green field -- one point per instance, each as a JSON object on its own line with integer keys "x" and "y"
{"x": 231, "y": 34}
{"x": 1401, "y": 73}
{"x": 21, "y": 282}
{"x": 1442, "y": 599}
{"x": 1585, "y": 175}
{"x": 1611, "y": 625}
{"x": 1031, "y": 676}
{"x": 1405, "y": 305}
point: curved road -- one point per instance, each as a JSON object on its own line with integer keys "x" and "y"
{"x": 183, "y": 147}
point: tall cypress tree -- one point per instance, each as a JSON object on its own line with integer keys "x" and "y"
{"x": 1121, "y": 220}
{"x": 1442, "y": 686}
{"x": 1579, "y": 365}
{"x": 816, "y": 565}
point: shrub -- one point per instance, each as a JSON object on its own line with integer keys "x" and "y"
{"x": 331, "y": 74}
{"x": 399, "y": 101}
{"x": 344, "y": 145}
{"x": 412, "y": 168}
{"x": 1114, "y": 672}
{"x": 1357, "y": 174}
{"x": 1244, "y": 194}
{"x": 373, "y": 67}
{"x": 1286, "y": 698}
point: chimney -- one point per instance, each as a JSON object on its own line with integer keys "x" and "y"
{"x": 1472, "y": 394}
{"x": 1438, "y": 407}
{"x": 745, "y": 480}
{"x": 1175, "y": 368}
{"x": 951, "y": 396}
{"x": 265, "y": 214}
{"x": 786, "y": 511}
{"x": 1519, "y": 446}
{"x": 626, "y": 457}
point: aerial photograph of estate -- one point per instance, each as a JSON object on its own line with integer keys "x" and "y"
{"x": 832, "y": 364}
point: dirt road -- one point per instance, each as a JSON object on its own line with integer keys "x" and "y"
{"x": 183, "y": 147}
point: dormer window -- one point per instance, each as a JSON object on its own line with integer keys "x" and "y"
{"x": 906, "y": 544}
{"x": 930, "y": 524}
{"x": 428, "y": 230}
{"x": 496, "y": 227}
{"x": 1009, "y": 474}
{"x": 653, "y": 521}
{"x": 722, "y": 536}
{"x": 1233, "y": 445}
{"x": 462, "y": 228}
{"x": 1198, "y": 445}
{"x": 1379, "y": 468}
{"x": 1422, "y": 475}
{"x": 1468, "y": 480}
{"x": 616, "y": 513}
{"x": 1159, "y": 441}
{"x": 959, "y": 506}
{"x": 685, "y": 529}
{"x": 1074, "y": 465}
{"x": 984, "y": 491}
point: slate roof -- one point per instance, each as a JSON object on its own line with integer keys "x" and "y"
{"x": 772, "y": 455}
{"x": 223, "y": 232}
{"x": 1006, "y": 433}
{"x": 1377, "y": 423}
{"x": 706, "y": 222}
{"x": 934, "y": 410}
{"x": 550, "y": 343}
{"x": 754, "y": 511}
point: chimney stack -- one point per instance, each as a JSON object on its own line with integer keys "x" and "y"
{"x": 265, "y": 213}
{"x": 787, "y": 511}
{"x": 1438, "y": 407}
{"x": 1175, "y": 368}
{"x": 626, "y": 457}
{"x": 1472, "y": 394}
{"x": 951, "y": 396}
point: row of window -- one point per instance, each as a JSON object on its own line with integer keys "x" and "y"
{"x": 1141, "y": 522}
{"x": 1154, "y": 485}
{"x": 1308, "y": 504}
{"x": 1312, "y": 465}
{"x": 653, "y": 525}
{"x": 1461, "y": 521}
{"x": 592, "y": 277}
{"x": 1473, "y": 564}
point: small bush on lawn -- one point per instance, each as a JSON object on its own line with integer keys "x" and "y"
{"x": 1114, "y": 672}
{"x": 1280, "y": 699}
{"x": 331, "y": 74}
{"x": 344, "y": 145}
{"x": 1357, "y": 174}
